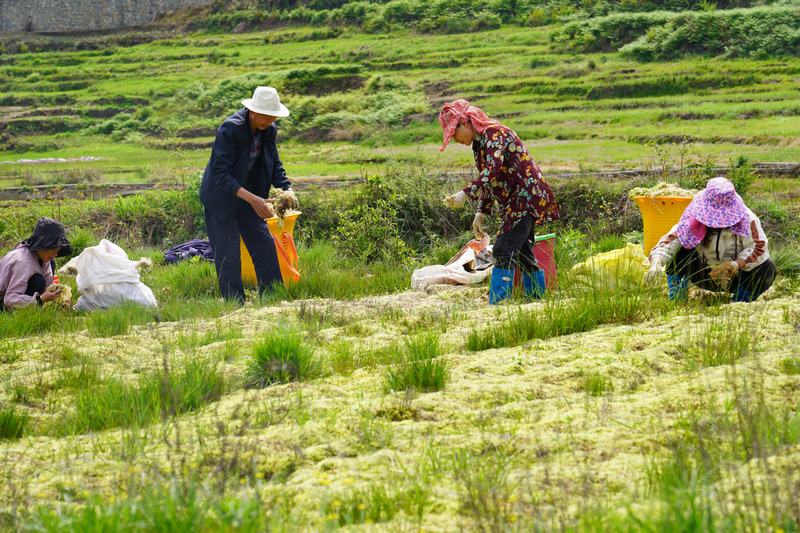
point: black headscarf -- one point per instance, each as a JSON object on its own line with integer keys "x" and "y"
{"x": 47, "y": 235}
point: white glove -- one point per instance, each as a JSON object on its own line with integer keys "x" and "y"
{"x": 655, "y": 274}
{"x": 477, "y": 225}
{"x": 456, "y": 200}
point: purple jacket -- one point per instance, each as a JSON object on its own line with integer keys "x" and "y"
{"x": 16, "y": 268}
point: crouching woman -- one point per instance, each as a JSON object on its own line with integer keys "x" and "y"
{"x": 26, "y": 272}
{"x": 717, "y": 245}
{"x": 508, "y": 177}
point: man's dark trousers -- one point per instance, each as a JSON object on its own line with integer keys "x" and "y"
{"x": 224, "y": 237}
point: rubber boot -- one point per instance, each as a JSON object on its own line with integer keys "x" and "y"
{"x": 501, "y": 284}
{"x": 533, "y": 283}
{"x": 742, "y": 295}
{"x": 677, "y": 287}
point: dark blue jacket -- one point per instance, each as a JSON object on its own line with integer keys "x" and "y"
{"x": 226, "y": 171}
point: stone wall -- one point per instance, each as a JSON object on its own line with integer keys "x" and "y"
{"x": 62, "y": 16}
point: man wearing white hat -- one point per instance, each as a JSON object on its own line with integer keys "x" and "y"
{"x": 244, "y": 165}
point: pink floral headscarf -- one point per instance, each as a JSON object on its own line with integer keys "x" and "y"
{"x": 458, "y": 112}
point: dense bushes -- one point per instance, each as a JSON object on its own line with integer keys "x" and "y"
{"x": 760, "y": 32}
{"x": 609, "y": 33}
{"x": 154, "y": 218}
{"x": 763, "y": 32}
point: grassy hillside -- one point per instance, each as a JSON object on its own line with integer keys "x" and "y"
{"x": 362, "y": 99}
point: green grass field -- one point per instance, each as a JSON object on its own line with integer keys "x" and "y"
{"x": 377, "y": 102}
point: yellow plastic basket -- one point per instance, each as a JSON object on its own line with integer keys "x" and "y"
{"x": 659, "y": 214}
{"x": 282, "y": 231}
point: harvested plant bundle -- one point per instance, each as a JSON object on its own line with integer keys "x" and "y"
{"x": 664, "y": 189}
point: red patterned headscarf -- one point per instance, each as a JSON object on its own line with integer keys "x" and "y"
{"x": 458, "y": 112}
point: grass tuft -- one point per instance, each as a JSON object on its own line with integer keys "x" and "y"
{"x": 595, "y": 384}
{"x": 282, "y": 356}
{"x": 13, "y": 424}
{"x": 118, "y": 320}
{"x": 720, "y": 340}
{"x": 164, "y": 393}
{"x": 420, "y": 366}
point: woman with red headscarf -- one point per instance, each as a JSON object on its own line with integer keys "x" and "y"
{"x": 507, "y": 176}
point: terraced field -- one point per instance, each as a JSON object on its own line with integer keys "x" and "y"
{"x": 362, "y": 100}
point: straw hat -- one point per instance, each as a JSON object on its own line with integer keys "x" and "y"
{"x": 266, "y": 101}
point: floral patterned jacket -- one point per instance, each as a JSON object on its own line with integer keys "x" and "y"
{"x": 508, "y": 175}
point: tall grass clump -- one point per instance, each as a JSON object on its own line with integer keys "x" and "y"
{"x": 720, "y": 340}
{"x": 167, "y": 506}
{"x": 376, "y": 504}
{"x": 282, "y": 356}
{"x": 33, "y": 320}
{"x": 586, "y": 309}
{"x": 118, "y": 320}
{"x": 487, "y": 490}
{"x": 420, "y": 366}
{"x": 327, "y": 274}
{"x": 165, "y": 393}
{"x": 13, "y": 424}
{"x": 595, "y": 384}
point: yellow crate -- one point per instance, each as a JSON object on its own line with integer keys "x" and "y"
{"x": 659, "y": 214}
{"x": 282, "y": 231}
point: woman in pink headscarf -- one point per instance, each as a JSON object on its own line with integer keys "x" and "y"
{"x": 718, "y": 244}
{"x": 508, "y": 177}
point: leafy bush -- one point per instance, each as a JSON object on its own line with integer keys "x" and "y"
{"x": 758, "y": 32}
{"x": 370, "y": 233}
{"x": 609, "y": 33}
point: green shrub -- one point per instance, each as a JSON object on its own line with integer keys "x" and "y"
{"x": 282, "y": 356}
{"x": 759, "y": 32}
{"x": 13, "y": 424}
{"x": 370, "y": 233}
{"x": 608, "y": 33}
{"x": 420, "y": 367}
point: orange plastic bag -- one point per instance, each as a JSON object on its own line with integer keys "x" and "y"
{"x": 282, "y": 231}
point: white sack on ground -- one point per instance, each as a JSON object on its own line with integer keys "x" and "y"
{"x": 106, "y": 277}
{"x": 471, "y": 265}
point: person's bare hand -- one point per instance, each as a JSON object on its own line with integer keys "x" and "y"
{"x": 262, "y": 208}
{"x": 52, "y": 292}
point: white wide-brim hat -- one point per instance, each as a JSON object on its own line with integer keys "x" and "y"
{"x": 266, "y": 101}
